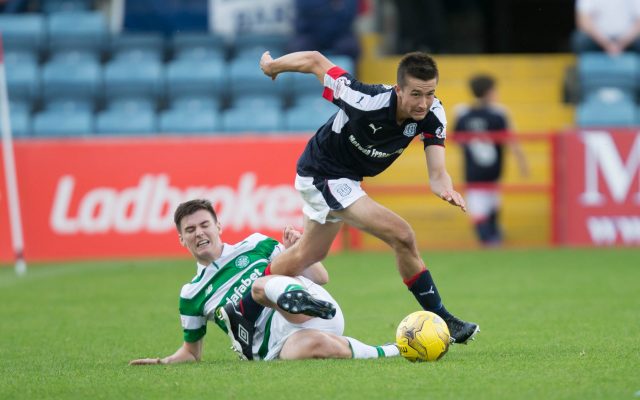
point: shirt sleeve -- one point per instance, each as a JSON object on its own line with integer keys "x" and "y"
{"x": 351, "y": 95}
{"x": 435, "y": 131}
{"x": 194, "y": 324}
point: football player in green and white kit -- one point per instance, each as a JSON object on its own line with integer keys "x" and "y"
{"x": 228, "y": 273}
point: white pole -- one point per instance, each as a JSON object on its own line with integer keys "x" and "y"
{"x": 10, "y": 172}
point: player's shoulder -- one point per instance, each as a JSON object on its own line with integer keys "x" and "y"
{"x": 437, "y": 110}
{"x": 461, "y": 110}
{"x": 499, "y": 109}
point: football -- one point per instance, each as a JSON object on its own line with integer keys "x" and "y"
{"x": 422, "y": 336}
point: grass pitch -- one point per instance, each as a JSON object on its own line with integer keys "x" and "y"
{"x": 556, "y": 324}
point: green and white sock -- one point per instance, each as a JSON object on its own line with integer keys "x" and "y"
{"x": 361, "y": 350}
{"x": 280, "y": 284}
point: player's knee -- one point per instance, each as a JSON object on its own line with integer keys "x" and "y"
{"x": 321, "y": 345}
{"x": 404, "y": 238}
{"x": 257, "y": 289}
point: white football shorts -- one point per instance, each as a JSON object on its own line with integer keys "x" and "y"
{"x": 321, "y": 196}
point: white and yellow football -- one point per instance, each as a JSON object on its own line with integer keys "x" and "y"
{"x": 422, "y": 336}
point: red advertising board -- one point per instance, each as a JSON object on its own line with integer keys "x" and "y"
{"x": 598, "y": 188}
{"x": 104, "y": 198}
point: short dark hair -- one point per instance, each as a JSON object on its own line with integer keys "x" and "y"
{"x": 190, "y": 207}
{"x": 481, "y": 85}
{"x": 418, "y": 65}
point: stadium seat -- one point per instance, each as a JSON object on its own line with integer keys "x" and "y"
{"x": 77, "y": 30}
{"x": 242, "y": 120}
{"x": 20, "y": 56}
{"x": 195, "y": 77}
{"x": 246, "y": 77}
{"x": 60, "y": 123}
{"x": 596, "y": 70}
{"x": 23, "y": 80}
{"x": 309, "y": 114}
{"x": 52, "y": 6}
{"x": 245, "y": 44}
{"x": 69, "y": 104}
{"x": 597, "y": 113}
{"x": 68, "y": 79}
{"x": 344, "y": 62}
{"x": 124, "y": 122}
{"x": 196, "y": 103}
{"x": 264, "y": 101}
{"x": 186, "y": 121}
{"x": 132, "y": 104}
{"x": 23, "y": 32}
{"x": 137, "y": 46}
{"x": 304, "y": 84}
{"x": 133, "y": 78}
{"x": 20, "y": 120}
{"x": 198, "y": 46}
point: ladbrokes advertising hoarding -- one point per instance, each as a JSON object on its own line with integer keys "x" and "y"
{"x": 115, "y": 198}
{"x": 598, "y": 188}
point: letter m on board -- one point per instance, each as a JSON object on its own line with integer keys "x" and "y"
{"x": 601, "y": 154}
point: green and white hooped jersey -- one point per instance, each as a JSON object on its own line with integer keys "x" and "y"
{"x": 226, "y": 279}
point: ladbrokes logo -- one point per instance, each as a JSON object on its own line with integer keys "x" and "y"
{"x": 149, "y": 206}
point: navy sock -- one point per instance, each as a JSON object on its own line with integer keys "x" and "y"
{"x": 425, "y": 291}
{"x": 249, "y": 308}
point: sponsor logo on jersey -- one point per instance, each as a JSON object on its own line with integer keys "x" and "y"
{"x": 372, "y": 126}
{"x": 245, "y": 284}
{"x": 440, "y": 133}
{"x": 242, "y": 261}
{"x": 410, "y": 130}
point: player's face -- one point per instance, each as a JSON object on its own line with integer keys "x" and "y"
{"x": 200, "y": 234}
{"x": 415, "y": 98}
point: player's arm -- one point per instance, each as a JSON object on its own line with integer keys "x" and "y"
{"x": 316, "y": 272}
{"x": 439, "y": 179}
{"x": 309, "y": 62}
{"x": 188, "y": 352}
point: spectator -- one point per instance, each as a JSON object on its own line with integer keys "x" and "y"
{"x": 483, "y": 157}
{"x": 326, "y": 26}
{"x": 609, "y": 25}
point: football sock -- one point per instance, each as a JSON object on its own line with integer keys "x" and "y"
{"x": 249, "y": 308}
{"x": 425, "y": 291}
{"x": 280, "y": 284}
{"x": 361, "y": 350}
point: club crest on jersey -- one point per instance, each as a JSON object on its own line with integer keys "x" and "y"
{"x": 440, "y": 133}
{"x": 242, "y": 261}
{"x": 343, "y": 190}
{"x": 410, "y": 130}
{"x": 340, "y": 87}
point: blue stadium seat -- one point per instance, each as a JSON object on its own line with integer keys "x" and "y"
{"x": 597, "y": 113}
{"x": 264, "y": 101}
{"x": 244, "y": 44}
{"x": 196, "y": 103}
{"x": 52, "y": 6}
{"x": 304, "y": 84}
{"x": 137, "y": 46}
{"x": 132, "y": 104}
{"x": 20, "y": 121}
{"x": 59, "y": 123}
{"x": 20, "y": 56}
{"x": 185, "y": 121}
{"x": 242, "y": 120}
{"x": 123, "y": 122}
{"x": 246, "y": 77}
{"x": 134, "y": 78}
{"x": 344, "y": 62}
{"x": 596, "y": 70}
{"x": 23, "y": 32}
{"x": 309, "y": 114}
{"x": 77, "y": 30}
{"x": 67, "y": 79}
{"x": 69, "y": 105}
{"x": 196, "y": 77}
{"x": 23, "y": 80}
{"x": 198, "y": 46}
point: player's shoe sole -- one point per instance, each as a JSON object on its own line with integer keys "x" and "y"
{"x": 233, "y": 325}
{"x": 301, "y": 302}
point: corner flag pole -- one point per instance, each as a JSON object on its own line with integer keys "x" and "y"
{"x": 10, "y": 172}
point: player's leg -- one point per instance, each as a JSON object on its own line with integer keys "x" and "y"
{"x": 291, "y": 297}
{"x": 313, "y": 343}
{"x": 371, "y": 217}
{"x": 312, "y": 247}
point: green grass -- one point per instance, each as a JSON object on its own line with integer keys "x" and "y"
{"x": 556, "y": 324}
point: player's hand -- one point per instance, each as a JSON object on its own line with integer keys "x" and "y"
{"x": 146, "y": 361}
{"x": 454, "y": 198}
{"x": 265, "y": 65}
{"x": 290, "y": 236}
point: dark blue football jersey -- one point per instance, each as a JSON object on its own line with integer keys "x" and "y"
{"x": 483, "y": 157}
{"x": 363, "y": 137}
